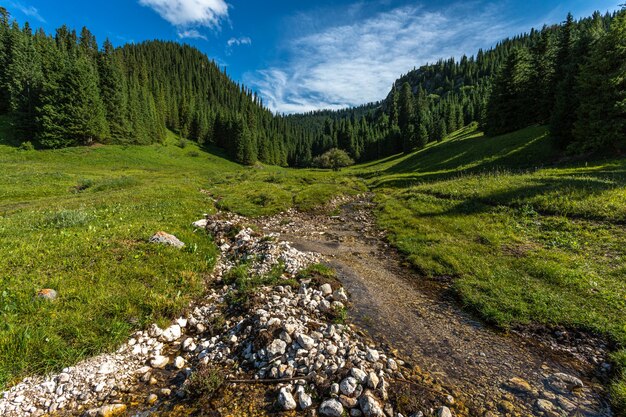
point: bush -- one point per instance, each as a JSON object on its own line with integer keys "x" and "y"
{"x": 334, "y": 159}
{"x": 205, "y": 382}
{"x": 182, "y": 143}
{"x": 27, "y": 146}
{"x": 66, "y": 218}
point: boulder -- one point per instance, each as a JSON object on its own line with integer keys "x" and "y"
{"x": 166, "y": 239}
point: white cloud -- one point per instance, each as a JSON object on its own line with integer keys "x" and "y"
{"x": 190, "y": 34}
{"x": 239, "y": 41}
{"x": 357, "y": 63}
{"x": 27, "y": 10}
{"x": 185, "y": 13}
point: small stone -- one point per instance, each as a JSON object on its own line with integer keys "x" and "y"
{"x": 545, "y": 405}
{"x": 372, "y": 380}
{"x": 171, "y": 334}
{"x": 305, "y": 401}
{"x": 372, "y": 355}
{"x": 179, "y": 362}
{"x": 285, "y": 400}
{"x": 155, "y": 331}
{"x": 305, "y": 341}
{"x": 166, "y": 239}
{"x": 277, "y": 347}
{"x": 359, "y": 374}
{"x": 326, "y": 289}
{"x": 340, "y": 295}
{"x": 348, "y": 386}
{"x": 444, "y": 412}
{"x": 200, "y": 224}
{"x": 331, "y": 408}
{"x": 159, "y": 361}
{"x": 111, "y": 410}
{"x": 519, "y": 384}
{"x": 152, "y": 398}
{"x": 334, "y": 389}
{"x": 47, "y": 294}
{"x": 189, "y": 345}
{"x": 370, "y": 406}
{"x": 564, "y": 382}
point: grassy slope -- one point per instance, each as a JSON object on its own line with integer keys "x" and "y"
{"x": 91, "y": 245}
{"x": 524, "y": 239}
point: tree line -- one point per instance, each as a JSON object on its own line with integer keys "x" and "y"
{"x": 569, "y": 76}
{"x": 65, "y": 90}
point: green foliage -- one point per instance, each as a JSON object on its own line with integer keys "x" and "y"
{"x": 27, "y": 146}
{"x": 601, "y": 116}
{"x": 334, "y": 159}
{"x": 204, "y": 382}
{"x": 523, "y": 239}
{"x": 91, "y": 246}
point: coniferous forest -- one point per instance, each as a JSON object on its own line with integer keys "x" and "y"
{"x": 67, "y": 90}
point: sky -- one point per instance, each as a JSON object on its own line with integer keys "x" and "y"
{"x": 308, "y": 55}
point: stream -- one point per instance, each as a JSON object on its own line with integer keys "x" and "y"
{"x": 493, "y": 373}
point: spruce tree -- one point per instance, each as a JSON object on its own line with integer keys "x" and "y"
{"x": 601, "y": 116}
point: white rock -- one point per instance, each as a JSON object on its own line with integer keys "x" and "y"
{"x": 372, "y": 355}
{"x": 360, "y": 375}
{"x": 285, "y": 399}
{"x": 179, "y": 362}
{"x": 277, "y": 347}
{"x": 200, "y": 224}
{"x": 372, "y": 380}
{"x": 155, "y": 331}
{"x": 159, "y": 361}
{"x": 326, "y": 289}
{"x": 171, "y": 334}
{"x": 331, "y": 408}
{"x": 305, "y": 341}
{"x": 304, "y": 400}
{"x": 370, "y": 406}
{"x": 348, "y": 386}
{"x": 444, "y": 412}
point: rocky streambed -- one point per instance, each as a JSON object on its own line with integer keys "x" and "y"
{"x": 286, "y": 335}
{"x": 271, "y": 337}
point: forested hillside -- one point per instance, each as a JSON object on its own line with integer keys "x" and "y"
{"x": 570, "y": 76}
{"x": 65, "y": 90}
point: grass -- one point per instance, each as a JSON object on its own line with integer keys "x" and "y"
{"x": 78, "y": 220}
{"x": 526, "y": 238}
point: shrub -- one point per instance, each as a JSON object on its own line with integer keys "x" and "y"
{"x": 26, "y": 146}
{"x": 334, "y": 159}
{"x": 182, "y": 143}
{"x": 66, "y": 218}
{"x": 193, "y": 154}
{"x": 205, "y": 382}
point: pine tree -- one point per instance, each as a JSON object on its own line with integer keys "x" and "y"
{"x": 406, "y": 117}
{"x": 113, "y": 93}
{"x": 510, "y": 99}
{"x": 563, "y": 115}
{"x": 601, "y": 116}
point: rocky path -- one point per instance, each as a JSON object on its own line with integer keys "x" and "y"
{"x": 494, "y": 374}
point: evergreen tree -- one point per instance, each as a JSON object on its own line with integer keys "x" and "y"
{"x": 601, "y": 116}
{"x": 113, "y": 93}
{"x": 564, "y": 112}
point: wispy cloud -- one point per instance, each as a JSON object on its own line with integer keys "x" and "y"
{"x": 190, "y": 13}
{"x": 357, "y": 63}
{"x": 239, "y": 41}
{"x": 27, "y": 10}
{"x": 191, "y": 34}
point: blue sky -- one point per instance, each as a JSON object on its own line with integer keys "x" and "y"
{"x": 306, "y": 55}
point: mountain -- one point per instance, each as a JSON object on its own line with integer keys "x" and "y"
{"x": 548, "y": 76}
{"x": 65, "y": 90}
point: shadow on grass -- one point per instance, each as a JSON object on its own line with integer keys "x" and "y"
{"x": 470, "y": 152}
{"x": 516, "y": 197}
